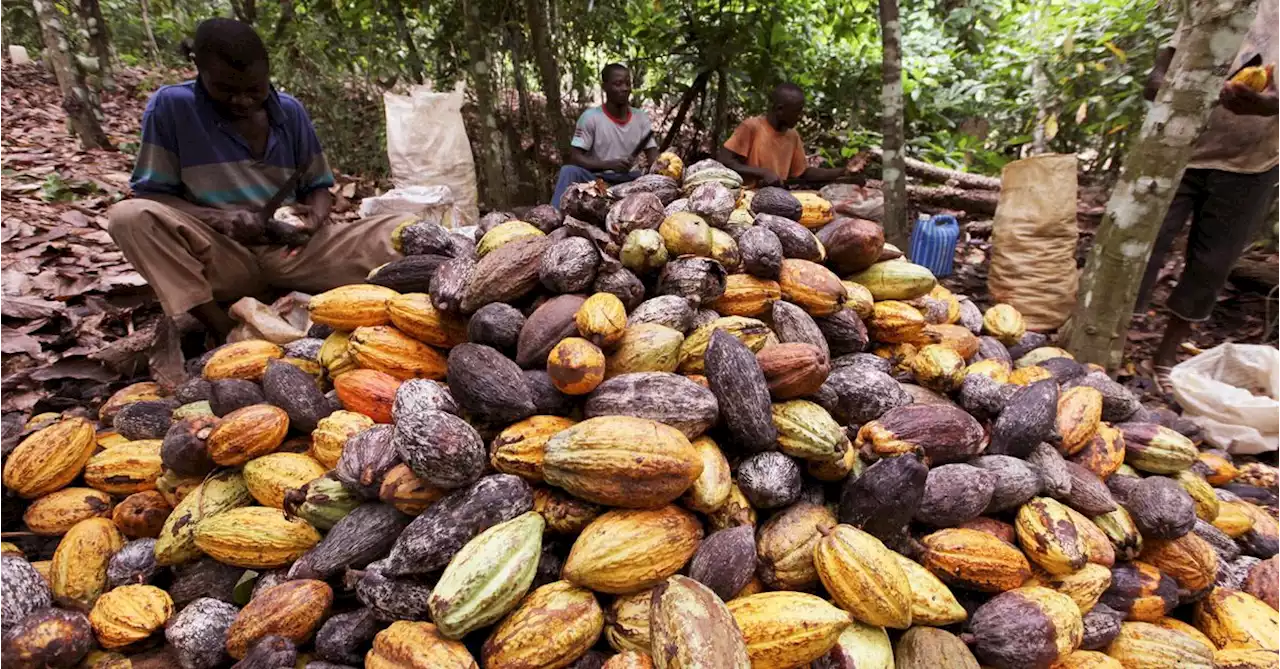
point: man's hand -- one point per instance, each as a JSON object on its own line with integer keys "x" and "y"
{"x": 1239, "y": 99}
{"x": 767, "y": 177}
{"x": 242, "y": 225}
{"x": 315, "y": 217}
{"x": 621, "y": 165}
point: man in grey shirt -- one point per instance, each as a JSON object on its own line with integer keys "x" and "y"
{"x": 608, "y": 138}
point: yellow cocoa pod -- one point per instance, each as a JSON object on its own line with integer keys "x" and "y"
{"x": 807, "y": 431}
{"x": 1103, "y": 453}
{"x": 622, "y": 461}
{"x": 1189, "y": 560}
{"x": 129, "y": 613}
{"x": 628, "y": 622}
{"x": 1004, "y": 323}
{"x": 255, "y": 537}
{"x": 1148, "y": 646}
{"x": 859, "y": 299}
{"x": 787, "y": 629}
{"x": 551, "y": 628}
{"x": 894, "y": 322}
{"x": 1265, "y": 527}
{"x": 57, "y": 512}
{"x": 135, "y": 392}
{"x": 746, "y": 295}
{"x": 292, "y": 609}
{"x": 1025, "y": 376}
{"x": 503, "y": 233}
{"x": 862, "y": 646}
{"x": 352, "y": 306}
{"x": 241, "y": 360}
{"x": 1087, "y": 659}
{"x": 735, "y": 511}
{"x": 1202, "y": 495}
{"x": 271, "y": 476}
{"x": 629, "y": 660}
{"x": 520, "y": 448}
{"x": 1097, "y": 545}
{"x": 1255, "y": 77}
{"x": 602, "y": 320}
{"x": 1245, "y": 658}
{"x": 1215, "y": 468}
{"x": 938, "y": 367}
{"x": 1231, "y": 519}
{"x": 564, "y": 513}
{"x": 625, "y": 551}
{"x": 896, "y": 280}
{"x": 645, "y": 347}
{"x": 49, "y": 459}
{"x": 220, "y": 492}
{"x": 992, "y": 368}
{"x": 247, "y": 433}
{"x": 811, "y": 287}
{"x": 123, "y": 470}
{"x": 1179, "y": 626}
{"x": 409, "y": 494}
{"x": 863, "y": 577}
{"x": 109, "y": 438}
{"x": 690, "y": 625}
{"x": 1119, "y": 527}
{"x": 751, "y": 332}
{"x": 816, "y": 210}
{"x": 932, "y": 602}
{"x": 78, "y": 571}
{"x": 785, "y": 546}
{"x": 385, "y": 349}
{"x": 711, "y": 489}
{"x": 836, "y": 470}
{"x": 955, "y": 337}
{"x": 1041, "y": 354}
{"x": 1084, "y": 586}
{"x": 414, "y": 315}
{"x": 576, "y": 366}
{"x": 686, "y": 233}
{"x": 1234, "y": 619}
{"x": 411, "y": 645}
{"x": 1157, "y": 449}
{"x": 335, "y": 354}
{"x": 974, "y": 560}
{"x": 1079, "y": 415}
{"x": 331, "y": 435}
{"x": 1049, "y": 536}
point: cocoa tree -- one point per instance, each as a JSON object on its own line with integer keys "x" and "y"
{"x": 544, "y": 59}
{"x": 1150, "y": 176}
{"x": 79, "y": 102}
{"x": 145, "y": 6}
{"x": 894, "y": 171}
{"x": 490, "y": 139}
{"x": 99, "y": 39}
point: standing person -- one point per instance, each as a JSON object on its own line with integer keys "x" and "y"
{"x": 1226, "y": 190}
{"x": 767, "y": 151}
{"x": 608, "y": 138}
{"x": 214, "y": 152}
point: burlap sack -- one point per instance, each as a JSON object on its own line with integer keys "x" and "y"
{"x": 1033, "y": 244}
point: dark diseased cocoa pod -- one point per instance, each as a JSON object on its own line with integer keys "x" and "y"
{"x": 547, "y": 399}
{"x": 698, "y": 280}
{"x": 661, "y": 396}
{"x": 392, "y": 599}
{"x": 1015, "y": 631}
{"x": 864, "y": 361}
{"x": 797, "y": 241}
{"x": 345, "y": 637}
{"x": 228, "y": 395}
{"x": 423, "y": 238}
{"x": 270, "y": 652}
{"x": 148, "y": 419}
{"x": 411, "y": 274}
{"x": 198, "y": 633}
{"x": 943, "y": 432}
{"x": 435, "y": 536}
{"x": 194, "y": 389}
{"x": 725, "y": 561}
{"x": 1138, "y": 591}
{"x": 362, "y": 536}
{"x": 1089, "y": 495}
{"x": 742, "y": 392}
{"x": 885, "y": 497}
{"x": 488, "y": 385}
{"x": 672, "y": 311}
{"x": 505, "y": 274}
{"x": 549, "y": 323}
{"x": 204, "y": 578}
{"x": 1048, "y": 463}
{"x": 497, "y": 325}
{"x": 587, "y": 201}
{"x": 1160, "y": 508}
{"x": 449, "y": 284}
{"x": 1063, "y": 369}
{"x": 593, "y": 659}
{"x": 852, "y": 244}
{"x": 1118, "y": 403}
{"x": 418, "y": 395}
{"x": 1015, "y": 482}
{"x": 569, "y": 265}
{"x": 366, "y": 459}
{"x": 621, "y": 282}
{"x": 441, "y": 449}
{"x": 1028, "y": 343}
{"x": 761, "y": 252}
{"x": 1028, "y": 419}
{"x": 793, "y": 325}
{"x": 769, "y": 480}
{"x": 23, "y": 590}
{"x": 954, "y": 494}
{"x": 1101, "y": 626}
{"x": 844, "y": 331}
{"x": 1222, "y": 544}
{"x": 983, "y": 396}
{"x": 990, "y": 348}
{"x": 47, "y": 637}
{"x": 544, "y": 217}
{"x": 295, "y": 391}
{"x": 863, "y": 395}
{"x": 135, "y": 564}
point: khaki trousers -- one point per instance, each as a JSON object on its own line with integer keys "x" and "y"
{"x": 188, "y": 263}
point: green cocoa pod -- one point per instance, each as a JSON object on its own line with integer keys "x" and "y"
{"x": 488, "y": 577}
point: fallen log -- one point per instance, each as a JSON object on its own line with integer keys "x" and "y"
{"x": 1254, "y": 275}
{"x": 948, "y": 197}
{"x": 933, "y": 173}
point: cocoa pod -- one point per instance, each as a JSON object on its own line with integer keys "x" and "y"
{"x": 622, "y": 283}
{"x": 569, "y": 265}
{"x": 1027, "y": 419}
{"x": 227, "y": 395}
{"x": 785, "y": 546}
{"x": 725, "y": 561}
{"x": 366, "y": 459}
{"x": 741, "y": 390}
{"x": 940, "y": 433}
{"x": 449, "y": 284}
{"x": 505, "y": 274}
{"x": 844, "y": 332}
{"x": 391, "y": 599}
{"x": 671, "y": 311}
{"x": 761, "y": 251}
{"x": 344, "y": 636}
{"x": 1160, "y": 508}
{"x": 1026, "y": 627}
{"x": 292, "y": 610}
{"x": 885, "y": 497}
{"x": 1101, "y": 625}
{"x": 955, "y": 493}
{"x": 689, "y": 623}
{"x": 797, "y": 241}
{"x": 700, "y": 281}
{"x": 295, "y": 391}
{"x": 135, "y": 564}
{"x": 198, "y": 633}
{"x": 26, "y": 591}
{"x": 660, "y": 396}
{"x": 362, "y": 536}
{"x": 442, "y": 449}
{"x": 932, "y": 648}
{"x": 852, "y": 244}
{"x": 770, "y": 480}
{"x": 549, "y": 323}
{"x": 1015, "y": 482}
{"x": 47, "y": 637}
{"x": 863, "y": 395}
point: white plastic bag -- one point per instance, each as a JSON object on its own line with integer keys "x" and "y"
{"x": 1231, "y": 392}
{"x": 427, "y": 146}
{"x": 429, "y": 203}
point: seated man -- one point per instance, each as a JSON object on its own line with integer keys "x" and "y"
{"x": 608, "y": 138}
{"x": 767, "y": 151}
{"x": 214, "y": 153}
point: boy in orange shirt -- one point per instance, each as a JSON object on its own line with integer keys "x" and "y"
{"x": 767, "y": 151}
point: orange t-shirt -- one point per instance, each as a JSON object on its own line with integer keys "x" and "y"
{"x": 763, "y": 146}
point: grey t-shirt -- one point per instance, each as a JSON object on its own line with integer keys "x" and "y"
{"x": 606, "y": 138}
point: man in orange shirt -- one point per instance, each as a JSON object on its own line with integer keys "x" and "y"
{"x": 767, "y": 151}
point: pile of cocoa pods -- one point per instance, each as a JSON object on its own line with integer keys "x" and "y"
{"x": 678, "y": 424}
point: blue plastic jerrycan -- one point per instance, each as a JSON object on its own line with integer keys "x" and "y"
{"x": 933, "y": 243}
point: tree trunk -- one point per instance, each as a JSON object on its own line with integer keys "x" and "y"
{"x": 946, "y": 197}
{"x": 1152, "y": 170}
{"x": 151, "y": 36}
{"x": 943, "y": 175}
{"x": 283, "y": 21}
{"x": 78, "y": 101}
{"x": 526, "y": 161}
{"x": 699, "y": 83}
{"x": 245, "y": 10}
{"x": 490, "y": 139}
{"x": 1041, "y": 134}
{"x": 894, "y": 166}
{"x": 721, "y": 110}
{"x": 412, "y": 60}
{"x": 544, "y": 59}
{"x": 99, "y": 40}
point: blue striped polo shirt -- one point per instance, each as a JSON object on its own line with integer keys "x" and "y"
{"x": 190, "y": 151}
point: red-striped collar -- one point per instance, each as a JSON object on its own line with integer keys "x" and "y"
{"x": 619, "y": 121}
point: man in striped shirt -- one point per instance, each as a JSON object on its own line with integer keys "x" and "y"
{"x": 214, "y": 152}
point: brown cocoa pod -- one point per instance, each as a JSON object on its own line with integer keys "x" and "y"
{"x": 295, "y": 391}
{"x": 47, "y": 637}
{"x": 411, "y": 274}
{"x": 770, "y": 480}
{"x": 761, "y": 252}
{"x": 983, "y": 396}
{"x": 24, "y": 591}
{"x": 418, "y": 395}
{"x": 885, "y": 497}
{"x": 741, "y": 391}
{"x": 488, "y": 385}
{"x": 1049, "y": 464}
{"x": 852, "y": 244}
{"x": 698, "y": 280}
{"x": 797, "y": 241}
{"x": 1160, "y": 508}
{"x": 194, "y": 389}
{"x": 547, "y": 398}
{"x": 497, "y": 325}
{"x": 435, "y": 536}
{"x": 1138, "y": 591}
{"x": 1261, "y": 581}
{"x": 1089, "y": 495}
{"x": 932, "y": 648}
{"x": 955, "y": 493}
{"x": 793, "y": 325}
{"x": 672, "y": 311}
{"x": 569, "y": 265}
{"x": 637, "y": 211}
{"x": 198, "y": 633}
{"x": 725, "y": 561}
{"x": 228, "y": 395}
{"x": 135, "y": 564}
{"x": 449, "y": 284}
{"x": 505, "y": 274}
{"x": 344, "y": 637}
{"x": 661, "y": 396}
{"x": 271, "y": 652}
{"x": 1063, "y": 369}
{"x": 362, "y": 536}
{"x": 141, "y": 514}
{"x": 392, "y": 599}
{"x": 621, "y": 282}
{"x": 292, "y": 609}
{"x": 844, "y": 332}
{"x": 424, "y": 237}
{"x": 793, "y": 370}
{"x": 941, "y": 433}
{"x": 549, "y": 323}
{"x": 204, "y": 578}
{"x": 366, "y": 459}
{"x": 442, "y": 449}
{"x": 1015, "y": 482}
{"x": 184, "y": 451}
{"x": 862, "y": 395}
{"x": 1028, "y": 419}
{"x": 148, "y": 419}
